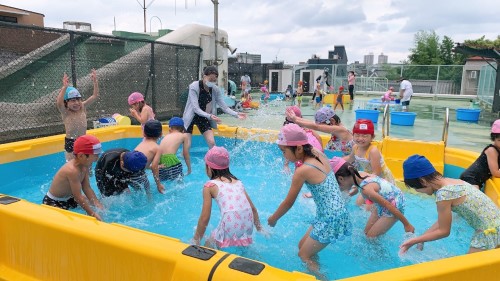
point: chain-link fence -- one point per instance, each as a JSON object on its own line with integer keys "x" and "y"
{"x": 33, "y": 61}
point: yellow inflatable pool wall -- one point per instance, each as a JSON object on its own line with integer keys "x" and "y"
{"x": 39, "y": 242}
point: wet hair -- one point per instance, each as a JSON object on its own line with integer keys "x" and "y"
{"x": 66, "y": 101}
{"x": 222, "y": 173}
{"x": 178, "y": 128}
{"x": 287, "y": 122}
{"x": 308, "y": 151}
{"x": 494, "y": 136}
{"x": 347, "y": 170}
{"x": 417, "y": 183}
{"x": 336, "y": 118}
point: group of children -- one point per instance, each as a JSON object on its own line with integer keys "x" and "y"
{"x": 361, "y": 170}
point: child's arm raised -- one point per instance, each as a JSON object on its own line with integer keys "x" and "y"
{"x": 297, "y": 182}
{"x": 60, "y": 96}
{"x": 205, "y": 214}
{"x": 95, "y": 94}
{"x": 492, "y": 156}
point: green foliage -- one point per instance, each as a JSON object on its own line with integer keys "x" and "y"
{"x": 483, "y": 43}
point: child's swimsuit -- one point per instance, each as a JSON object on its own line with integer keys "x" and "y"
{"x": 363, "y": 164}
{"x": 339, "y": 98}
{"x": 479, "y": 212}
{"x": 389, "y": 192}
{"x": 236, "y": 224}
{"x": 173, "y": 167}
{"x": 332, "y": 220}
{"x": 62, "y": 203}
{"x": 479, "y": 172}
{"x": 336, "y": 144}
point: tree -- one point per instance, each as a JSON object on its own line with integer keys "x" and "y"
{"x": 426, "y": 50}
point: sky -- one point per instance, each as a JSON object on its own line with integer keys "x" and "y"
{"x": 289, "y": 30}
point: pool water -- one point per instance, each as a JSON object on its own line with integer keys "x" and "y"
{"x": 259, "y": 166}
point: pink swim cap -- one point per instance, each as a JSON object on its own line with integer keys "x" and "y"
{"x": 217, "y": 158}
{"x": 296, "y": 110}
{"x": 495, "y": 128}
{"x": 292, "y": 135}
{"x": 336, "y": 163}
{"x": 135, "y": 97}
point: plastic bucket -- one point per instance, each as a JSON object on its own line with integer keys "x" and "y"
{"x": 367, "y": 114}
{"x": 403, "y": 118}
{"x": 122, "y": 120}
{"x": 466, "y": 114}
{"x": 107, "y": 120}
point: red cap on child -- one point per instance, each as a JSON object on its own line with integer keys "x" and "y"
{"x": 87, "y": 144}
{"x": 364, "y": 127}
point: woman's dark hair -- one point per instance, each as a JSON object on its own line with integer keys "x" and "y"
{"x": 417, "y": 183}
{"x": 223, "y": 173}
{"x": 347, "y": 170}
{"x": 336, "y": 118}
{"x": 308, "y": 151}
{"x": 494, "y": 136}
{"x": 210, "y": 70}
{"x": 287, "y": 122}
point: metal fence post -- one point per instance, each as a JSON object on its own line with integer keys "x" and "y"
{"x": 73, "y": 57}
{"x": 437, "y": 83}
{"x": 152, "y": 77}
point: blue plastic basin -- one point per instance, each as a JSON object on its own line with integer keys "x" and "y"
{"x": 367, "y": 114}
{"x": 403, "y": 118}
{"x": 467, "y": 114}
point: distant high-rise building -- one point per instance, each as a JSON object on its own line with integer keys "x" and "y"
{"x": 369, "y": 59}
{"x": 382, "y": 58}
{"x": 248, "y": 58}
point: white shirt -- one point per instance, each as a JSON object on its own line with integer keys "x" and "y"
{"x": 408, "y": 90}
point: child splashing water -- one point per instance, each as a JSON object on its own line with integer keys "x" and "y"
{"x": 387, "y": 198}
{"x": 238, "y": 214}
{"x": 452, "y": 195}
{"x": 139, "y": 109}
{"x": 265, "y": 91}
{"x": 365, "y": 156}
{"x": 332, "y": 220}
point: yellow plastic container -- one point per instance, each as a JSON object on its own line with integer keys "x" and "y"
{"x": 122, "y": 120}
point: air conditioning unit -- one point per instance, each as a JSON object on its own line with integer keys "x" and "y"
{"x": 473, "y": 74}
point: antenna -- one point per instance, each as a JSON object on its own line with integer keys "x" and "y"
{"x": 277, "y": 54}
{"x": 144, "y": 7}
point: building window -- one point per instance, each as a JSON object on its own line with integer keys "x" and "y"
{"x": 8, "y": 19}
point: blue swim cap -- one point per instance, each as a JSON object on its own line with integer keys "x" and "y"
{"x": 176, "y": 121}
{"x": 71, "y": 93}
{"x": 417, "y": 166}
{"x": 134, "y": 161}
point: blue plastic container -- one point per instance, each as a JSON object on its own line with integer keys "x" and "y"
{"x": 367, "y": 114}
{"x": 467, "y": 114}
{"x": 403, "y": 118}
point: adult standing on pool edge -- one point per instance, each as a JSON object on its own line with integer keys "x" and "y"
{"x": 405, "y": 93}
{"x": 351, "y": 79}
{"x": 201, "y": 106}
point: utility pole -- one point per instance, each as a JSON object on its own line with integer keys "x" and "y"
{"x": 144, "y": 8}
{"x": 216, "y": 28}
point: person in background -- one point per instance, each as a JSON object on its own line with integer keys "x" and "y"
{"x": 139, "y": 109}
{"x": 488, "y": 163}
{"x": 238, "y": 214}
{"x": 171, "y": 166}
{"x": 388, "y": 199}
{"x": 351, "y": 80}
{"x": 405, "y": 93}
{"x": 300, "y": 92}
{"x": 332, "y": 220}
{"x": 72, "y": 179}
{"x": 452, "y": 195}
{"x": 201, "y": 106}
{"x": 118, "y": 168}
{"x": 387, "y": 97}
{"x": 74, "y": 111}
{"x": 340, "y": 98}
{"x": 231, "y": 88}
{"x": 149, "y": 146}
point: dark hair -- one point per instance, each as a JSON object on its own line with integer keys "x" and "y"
{"x": 223, "y": 173}
{"x": 287, "y": 122}
{"x": 66, "y": 101}
{"x": 336, "y": 118}
{"x": 352, "y": 73}
{"x": 494, "y": 136}
{"x": 308, "y": 151}
{"x": 417, "y": 183}
{"x": 347, "y": 170}
{"x": 210, "y": 70}
{"x": 178, "y": 128}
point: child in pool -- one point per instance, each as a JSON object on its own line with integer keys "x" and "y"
{"x": 488, "y": 163}
{"x": 139, "y": 109}
{"x": 70, "y": 187}
{"x": 73, "y": 111}
{"x": 149, "y": 146}
{"x": 387, "y": 97}
{"x": 340, "y": 97}
{"x": 327, "y": 121}
{"x": 313, "y": 138}
{"x": 238, "y": 214}
{"x": 452, "y": 195}
{"x": 300, "y": 91}
{"x": 265, "y": 91}
{"x": 388, "y": 199}
{"x": 332, "y": 220}
{"x": 171, "y": 166}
